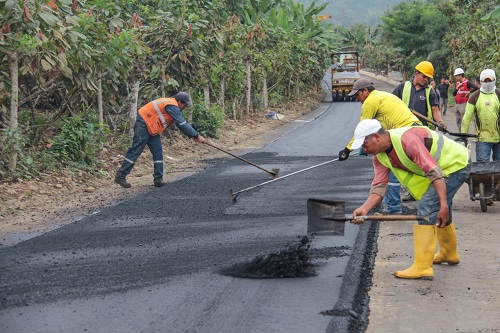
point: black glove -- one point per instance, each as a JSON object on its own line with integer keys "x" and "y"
{"x": 344, "y": 154}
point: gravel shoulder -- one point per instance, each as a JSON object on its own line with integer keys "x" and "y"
{"x": 464, "y": 298}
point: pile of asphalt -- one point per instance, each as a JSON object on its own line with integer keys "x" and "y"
{"x": 291, "y": 262}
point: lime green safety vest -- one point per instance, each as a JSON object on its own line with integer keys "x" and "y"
{"x": 449, "y": 155}
{"x": 406, "y": 97}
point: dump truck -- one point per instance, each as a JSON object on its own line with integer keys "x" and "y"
{"x": 345, "y": 71}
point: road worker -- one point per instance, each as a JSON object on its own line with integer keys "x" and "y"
{"x": 419, "y": 157}
{"x": 463, "y": 88}
{"x": 152, "y": 119}
{"x": 391, "y": 112}
{"x": 484, "y": 106}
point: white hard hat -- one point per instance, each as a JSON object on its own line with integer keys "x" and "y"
{"x": 458, "y": 71}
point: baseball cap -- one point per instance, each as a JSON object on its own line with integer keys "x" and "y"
{"x": 360, "y": 84}
{"x": 183, "y": 97}
{"x": 487, "y": 74}
{"x": 364, "y": 128}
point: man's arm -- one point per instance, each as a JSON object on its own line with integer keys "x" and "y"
{"x": 180, "y": 122}
{"x": 469, "y": 112}
{"x": 368, "y": 111}
{"x": 472, "y": 86}
{"x": 443, "y": 216}
{"x": 436, "y": 113}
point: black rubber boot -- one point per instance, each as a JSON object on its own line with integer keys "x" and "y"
{"x": 122, "y": 182}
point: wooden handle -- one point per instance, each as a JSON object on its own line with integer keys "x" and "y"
{"x": 274, "y": 173}
{"x": 349, "y": 217}
{"x": 392, "y": 217}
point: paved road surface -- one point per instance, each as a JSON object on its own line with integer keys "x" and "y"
{"x": 151, "y": 263}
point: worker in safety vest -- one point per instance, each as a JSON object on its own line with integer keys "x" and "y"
{"x": 418, "y": 95}
{"x": 152, "y": 119}
{"x": 484, "y": 106}
{"x": 463, "y": 88}
{"x": 392, "y": 113}
{"x": 433, "y": 167}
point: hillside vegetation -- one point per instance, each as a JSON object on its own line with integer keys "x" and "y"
{"x": 349, "y": 13}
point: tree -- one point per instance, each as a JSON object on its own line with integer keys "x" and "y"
{"x": 34, "y": 39}
{"x": 474, "y": 35}
{"x": 416, "y": 30}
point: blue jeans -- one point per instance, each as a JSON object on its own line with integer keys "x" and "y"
{"x": 443, "y": 103}
{"x": 429, "y": 203}
{"x": 392, "y": 197}
{"x": 485, "y": 149}
{"x": 141, "y": 139}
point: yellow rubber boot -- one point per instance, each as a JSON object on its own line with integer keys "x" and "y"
{"x": 424, "y": 242}
{"x": 447, "y": 239}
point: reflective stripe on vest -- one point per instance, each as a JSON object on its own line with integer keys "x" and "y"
{"x": 449, "y": 155}
{"x": 162, "y": 119}
{"x": 406, "y": 97}
{"x": 155, "y": 116}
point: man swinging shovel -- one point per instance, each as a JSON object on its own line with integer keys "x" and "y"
{"x": 409, "y": 153}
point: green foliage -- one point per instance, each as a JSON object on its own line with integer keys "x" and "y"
{"x": 415, "y": 30}
{"x": 493, "y": 15}
{"x": 474, "y": 42}
{"x": 79, "y": 140}
{"x": 208, "y": 121}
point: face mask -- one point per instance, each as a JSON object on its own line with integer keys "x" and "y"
{"x": 487, "y": 87}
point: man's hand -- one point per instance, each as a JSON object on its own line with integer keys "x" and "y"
{"x": 199, "y": 139}
{"x": 344, "y": 154}
{"x": 442, "y": 126}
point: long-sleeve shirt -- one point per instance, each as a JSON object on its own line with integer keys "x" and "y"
{"x": 486, "y": 113}
{"x": 389, "y": 110}
{"x": 180, "y": 122}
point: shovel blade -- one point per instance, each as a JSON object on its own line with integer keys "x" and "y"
{"x": 317, "y": 209}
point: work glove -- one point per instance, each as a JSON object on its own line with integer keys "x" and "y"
{"x": 344, "y": 154}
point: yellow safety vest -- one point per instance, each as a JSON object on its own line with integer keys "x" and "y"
{"x": 449, "y": 155}
{"x": 406, "y": 97}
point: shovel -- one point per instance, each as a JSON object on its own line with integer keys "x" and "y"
{"x": 272, "y": 174}
{"x": 438, "y": 125}
{"x": 328, "y": 217}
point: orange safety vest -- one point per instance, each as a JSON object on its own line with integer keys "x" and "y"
{"x": 155, "y": 116}
{"x": 463, "y": 92}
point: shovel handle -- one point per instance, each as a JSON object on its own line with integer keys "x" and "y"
{"x": 234, "y": 194}
{"x": 441, "y": 127}
{"x": 349, "y": 217}
{"x": 241, "y": 159}
{"x": 389, "y": 217}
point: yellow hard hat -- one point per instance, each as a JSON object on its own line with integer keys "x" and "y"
{"x": 425, "y": 68}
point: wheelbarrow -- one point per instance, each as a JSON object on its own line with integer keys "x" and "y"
{"x": 484, "y": 183}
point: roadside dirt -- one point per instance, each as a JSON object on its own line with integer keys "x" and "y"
{"x": 28, "y": 208}
{"x": 464, "y": 298}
